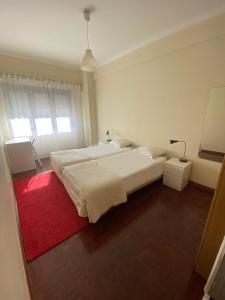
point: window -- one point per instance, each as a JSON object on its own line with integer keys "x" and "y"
{"x": 63, "y": 125}
{"x": 21, "y": 127}
{"x": 43, "y": 126}
{"x": 49, "y": 110}
{"x": 36, "y": 110}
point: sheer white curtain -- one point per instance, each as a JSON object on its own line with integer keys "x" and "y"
{"x": 49, "y": 110}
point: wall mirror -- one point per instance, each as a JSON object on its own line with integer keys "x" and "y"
{"x": 212, "y": 145}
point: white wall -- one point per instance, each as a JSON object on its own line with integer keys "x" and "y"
{"x": 26, "y": 67}
{"x": 13, "y": 285}
{"x": 213, "y": 136}
{"x": 161, "y": 92}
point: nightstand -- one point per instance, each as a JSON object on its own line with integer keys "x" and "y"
{"x": 176, "y": 173}
{"x": 103, "y": 142}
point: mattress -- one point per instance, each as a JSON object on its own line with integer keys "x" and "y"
{"x": 61, "y": 159}
{"x": 135, "y": 170}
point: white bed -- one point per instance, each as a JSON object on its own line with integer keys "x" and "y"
{"x": 133, "y": 169}
{"x": 61, "y": 159}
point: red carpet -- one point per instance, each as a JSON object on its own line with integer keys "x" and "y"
{"x": 47, "y": 214}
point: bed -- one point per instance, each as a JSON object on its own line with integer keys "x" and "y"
{"x": 97, "y": 185}
{"x": 61, "y": 159}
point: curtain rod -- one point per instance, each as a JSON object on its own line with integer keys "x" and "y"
{"x": 40, "y": 78}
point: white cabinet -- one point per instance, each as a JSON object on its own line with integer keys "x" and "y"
{"x": 20, "y": 155}
{"x": 176, "y": 173}
{"x": 103, "y": 142}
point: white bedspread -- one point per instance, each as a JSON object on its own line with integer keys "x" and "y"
{"x": 135, "y": 169}
{"x": 99, "y": 189}
{"x": 61, "y": 159}
{"x": 66, "y": 157}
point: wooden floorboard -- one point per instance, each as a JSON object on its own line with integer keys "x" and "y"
{"x": 143, "y": 249}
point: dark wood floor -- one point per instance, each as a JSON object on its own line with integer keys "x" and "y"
{"x": 144, "y": 249}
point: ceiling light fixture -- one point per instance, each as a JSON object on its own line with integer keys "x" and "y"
{"x": 88, "y": 61}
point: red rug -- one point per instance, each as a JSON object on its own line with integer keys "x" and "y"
{"x": 47, "y": 214}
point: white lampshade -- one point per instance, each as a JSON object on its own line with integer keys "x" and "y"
{"x": 88, "y": 61}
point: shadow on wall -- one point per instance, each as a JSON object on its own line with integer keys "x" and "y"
{"x": 207, "y": 170}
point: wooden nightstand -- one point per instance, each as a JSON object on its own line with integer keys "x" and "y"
{"x": 176, "y": 173}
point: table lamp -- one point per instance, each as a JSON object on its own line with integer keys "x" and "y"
{"x": 183, "y": 159}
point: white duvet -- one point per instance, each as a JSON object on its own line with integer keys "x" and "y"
{"x": 135, "y": 169}
{"x": 130, "y": 170}
{"x": 61, "y": 159}
{"x": 98, "y": 188}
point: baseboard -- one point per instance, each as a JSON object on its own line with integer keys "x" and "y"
{"x": 203, "y": 187}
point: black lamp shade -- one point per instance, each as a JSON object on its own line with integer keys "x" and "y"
{"x": 108, "y": 136}
{"x": 173, "y": 141}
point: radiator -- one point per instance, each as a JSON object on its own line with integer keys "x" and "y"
{"x": 215, "y": 286}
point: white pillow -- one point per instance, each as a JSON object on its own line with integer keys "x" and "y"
{"x": 152, "y": 152}
{"x": 121, "y": 143}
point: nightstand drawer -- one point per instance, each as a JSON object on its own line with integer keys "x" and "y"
{"x": 173, "y": 170}
{"x": 175, "y": 181}
{"x": 172, "y": 180}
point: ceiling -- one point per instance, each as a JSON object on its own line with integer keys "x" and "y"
{"x": 53, "y": 31}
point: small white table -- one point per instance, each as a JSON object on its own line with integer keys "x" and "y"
{"x": 103, "y": 142}
{"x": 176, "y": 173}
{"x": 20, "y": 154}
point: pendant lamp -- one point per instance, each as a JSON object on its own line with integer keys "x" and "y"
{"x": 88, "y": 61}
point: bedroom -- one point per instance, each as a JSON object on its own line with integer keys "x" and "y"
{"x": 157, "y": 74}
